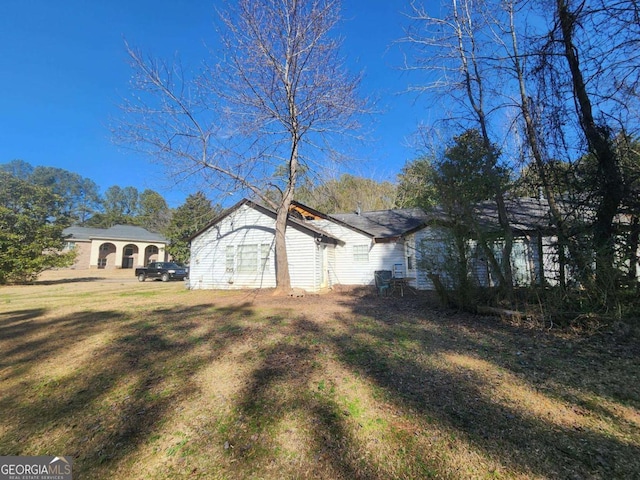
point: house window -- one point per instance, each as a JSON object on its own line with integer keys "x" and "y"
{"x": 230, "y": 258}
{"x": 102, "y": 262}
{"x": 104, "y": 247}
{"x": 70, "y": 245}
{"x": 247, "y": 258}
{"x": 265, "y": 249}
{"x": 361, "y": 253}
{"x": 128, "y": 252}
{"x": 410, "y": 262}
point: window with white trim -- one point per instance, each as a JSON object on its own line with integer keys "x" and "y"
{"x": 265, "y": 250}
{"x": 251, "y": 258}
{"x": 247, "y": 258}
{"x": 230, "y": 258}
{"x": 361, "y": 253}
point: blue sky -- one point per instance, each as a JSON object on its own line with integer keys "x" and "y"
{"x": 64, "y": 71}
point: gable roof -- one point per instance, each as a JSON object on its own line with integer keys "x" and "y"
{"x": 525, "y": 214}
{"x": 292, "y": 221}
{"x": 117, "y": 232}
{"x": 379, "y": 224}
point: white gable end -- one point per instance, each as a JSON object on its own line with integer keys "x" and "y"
{"x": 239, "y": 252}
{"x": 236, "y": 252}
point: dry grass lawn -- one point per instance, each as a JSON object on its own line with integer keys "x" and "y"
{"x": 152, "y": 381}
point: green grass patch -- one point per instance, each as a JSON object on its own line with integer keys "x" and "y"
{"x": 140, "y": 293}
{"x": 168, "y": 383}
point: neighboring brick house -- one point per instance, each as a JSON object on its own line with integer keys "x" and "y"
{"x": 121, "y": 246}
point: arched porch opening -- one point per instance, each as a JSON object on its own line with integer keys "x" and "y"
{"x": 129, "y": 255}
{"x": 107, "y": 255}
{"x": 150, "y": 254}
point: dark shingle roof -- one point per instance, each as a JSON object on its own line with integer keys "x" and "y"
{"x": 525, "y": 214}
{"x": 385, "y": 223}
{"x": 117, "y": 232}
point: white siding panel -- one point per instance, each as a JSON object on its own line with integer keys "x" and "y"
{"x": 344, "y": 269}
{"x": 245, "y": 226}
{"x": 302, "y": 252}
{"x": 331, "y": 265}
{"x": 429, "y": 246}
{"x": 551, "y": 260}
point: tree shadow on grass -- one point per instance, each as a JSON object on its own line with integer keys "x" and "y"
{"x": 30, "y": 337}
{"x": 64, "y": 281}
{"x": 395, "y": 347}
{"x": 128, "y": 374}
{"x": 281, "y": 420}
{"x": 17, "y": 316}
{"x": 542, "y": 357}
{"x": 117, "y": 392}
{"x": 279, "y": 396}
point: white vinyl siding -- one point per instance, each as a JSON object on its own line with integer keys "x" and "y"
{"x": 342, "y": 265}
{"x": 233, "y": 244}
{"x": 430, "y": 248}
{"x": 238, "y": 252}
{"x": 302, "y": 252}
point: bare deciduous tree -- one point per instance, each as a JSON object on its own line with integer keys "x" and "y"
{"x": 456, "y": 40}
{"x": 570, "y": 72}
{"x": 276, "y": 100}
{"x": 591, "y": 54}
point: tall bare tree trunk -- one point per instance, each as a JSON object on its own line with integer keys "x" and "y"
{"x": 473, "y": 75}
{"x": 537, "y": 152}
{"x": 283, "y": 277}
{"x": 278, "y": 90}
{"x": 599, "y": 141}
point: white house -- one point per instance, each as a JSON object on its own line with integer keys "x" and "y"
{"x": 371, "y": 241}
{"x": 236, "y": 250}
